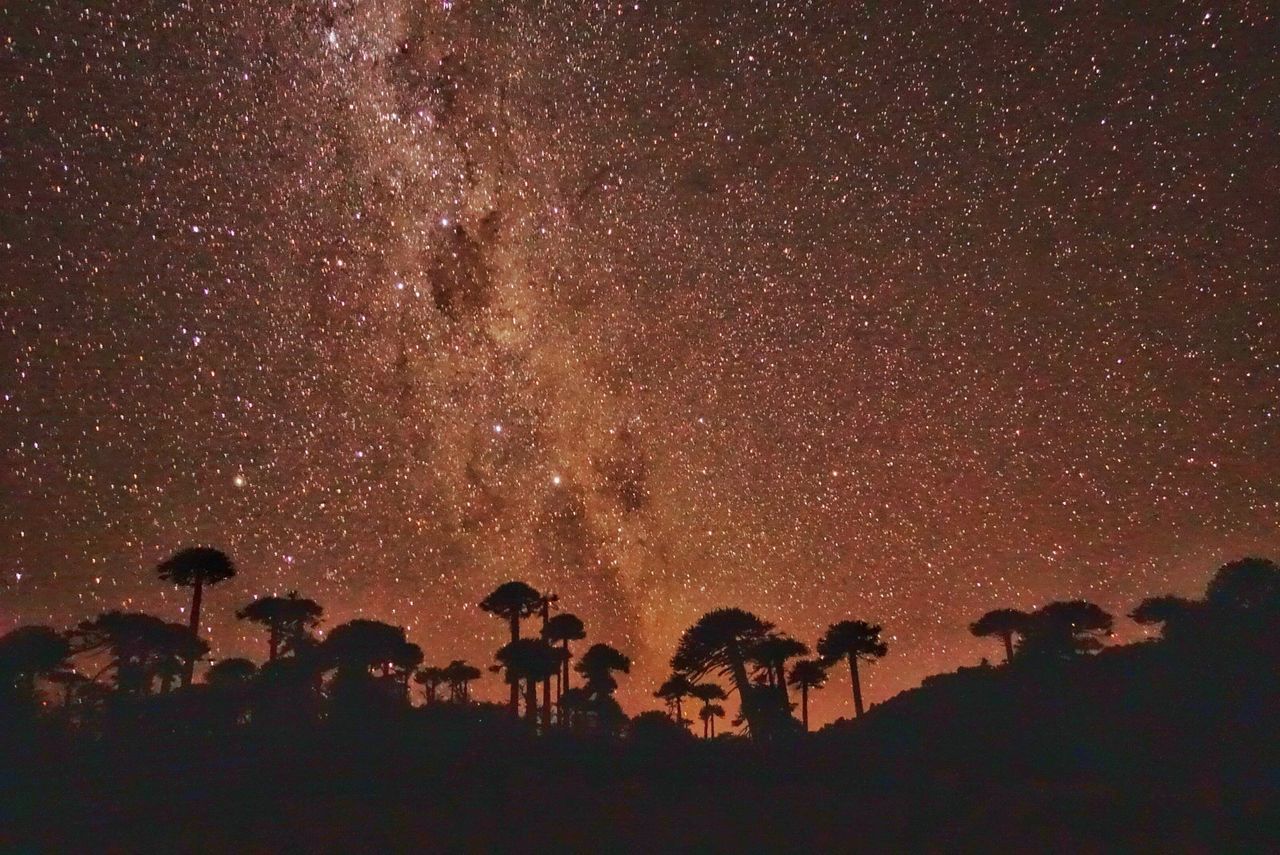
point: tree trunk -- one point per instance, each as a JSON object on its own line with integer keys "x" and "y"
{"x": 531, "y": 702}
{"x": 679, "y": 711}
{"x": 273, "y": 643}
{"x": 515, "y": 684}
{"x": 1008, "y": 646}
{"x": 804, "y": 706}
{"x": 857, "y": 686}
{"x": 565, "y": 665}
{"x": 745, "y": 692}
{"x": 188, "y": 673}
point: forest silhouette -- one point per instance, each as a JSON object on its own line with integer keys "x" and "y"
{"x": 112, "y": 736}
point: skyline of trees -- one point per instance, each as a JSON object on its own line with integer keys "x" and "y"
{"x": 726, "y": 653}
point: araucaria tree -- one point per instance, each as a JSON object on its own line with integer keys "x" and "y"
{"x": 719, "y": 643}
{"x": 1062, "y": 630}
{"x": 851, "y": 641}
{"x": 286, "y": 618}
{"x": 513, "y": 602}
{"x": 807, "y": 674}
{"x": 1003, "y": 624}
{"x": 195, "y": 567}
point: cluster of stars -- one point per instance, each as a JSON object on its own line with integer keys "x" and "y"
{"x": 896, "y": 311}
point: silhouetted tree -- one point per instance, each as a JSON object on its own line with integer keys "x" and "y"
{"x": 676, "y": 688}
{"x": 807, "y": 674}
{"x": 431, "y": 679}
{"x": 562, "y": 629}
{"x": 1248, "y": 584}
{"x": 1175, "y": 615}
{"x": 546, "y": 602}
{"x": 597, "y": 667}
{"x": 718, "y": 643}
{"x": 530, "y": 660}
{"x": 771, "y": 654}
{"x": 1063, "y": 629}
{"x": 27, "y": 653}
{"x": 141, "y": 648}
{"x": 195, "y": 567}
{"x": 1003, "y": 624}
{"x": 852, "y": 640}
{"x": 513, "y": 602}
{"x": 707, "y": 693}
{"x": 235, "y": 672}
{"x": 460, "y": 675}
{"x": 709, "y": 714}
{"x": 285, "y": 618}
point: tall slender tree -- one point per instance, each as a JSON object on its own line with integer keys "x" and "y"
{"x": 852, "y": 640}
{"x": 562, "y": 629}
{"x": 194, "y": 568}
{"x": 806, "y": 675}
{"x": 676, "y": 688}
{"x": 513, "y": 602}
{"x": 708, "y": 693}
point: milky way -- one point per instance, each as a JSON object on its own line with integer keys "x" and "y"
{"x": 888, "y": 311}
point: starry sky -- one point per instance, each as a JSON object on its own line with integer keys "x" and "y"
{"x": 894, "y": 311}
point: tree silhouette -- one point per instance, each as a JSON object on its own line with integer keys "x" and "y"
{"x": 707, "y": 693}
{"x": 546, "y": 602}
{"x": 529, "y": 660}
{"x": 770, "y": 655}
{"x": 235, "y": 672}
{"x": 852, "y": 640}
{"x": 460, "y": 675}
{"x": 1245, "y": 585}
{"x": 513, "y": 602}
{"x": 807, "y": 674}
{"x": 28, "y": 653}
{"x": 562, "y": 629}
{"x": 1175, "y": 615}
{"x": 195, "y": 567}
{"x": 142, "y": 649}
{"x": 431, "y": 679}
{"x": 676, "y": 688}
{"x": 286, "y": 618}
{"x": 709, "y": 714}
{"x": 597, "y": 667}
{"x": 1003, "y": 624}
{"x": 1062, "y": 630}
{"x": 718, "y": 644}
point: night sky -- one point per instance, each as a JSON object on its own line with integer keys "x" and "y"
{"x": 828, "y": 310}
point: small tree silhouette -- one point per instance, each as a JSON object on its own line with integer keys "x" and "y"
{"x": 709, "y": 714}
{"x": 286, "y": 618}
{"x": 195, "y": 567}
{"x": 431, "y": 679}
{"x": 707, "y": 693}
{"x": 142, "y": 649}
{"x": 1003, "y": 624}
{"x": 460, "y": 675}
{"x": 27, "y": 653}
{"x": 807, "y": 674}
{"x": 676, "y": 688}
{"x": 562, "y": 629}
{"x": 231, "y": 673}
{"x": 852, "y": 640}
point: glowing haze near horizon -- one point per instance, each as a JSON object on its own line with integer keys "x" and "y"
{"x": 890, "y": 311}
